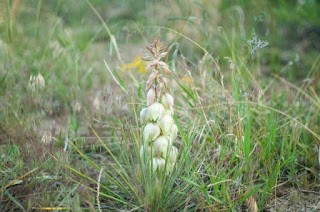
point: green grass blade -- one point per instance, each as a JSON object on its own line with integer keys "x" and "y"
{"x": 247, "y": 140}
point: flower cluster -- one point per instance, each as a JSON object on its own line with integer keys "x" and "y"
{"x": 137, "y": 63}
{"x": 159, "y": 130}
{"x": 255, "y": 43}
{"x": 36, "y": 82}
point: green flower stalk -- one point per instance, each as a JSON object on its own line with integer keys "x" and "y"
{"x": 159, "y": 130}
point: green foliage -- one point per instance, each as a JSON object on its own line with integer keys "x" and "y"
{"x": 247, "y": 136}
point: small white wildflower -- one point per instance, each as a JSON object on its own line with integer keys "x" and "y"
{"x": 36, "y": 82}
{"x": 77, "y": 106}
{"x": 40, "y": 81}
{"x": 255, "y": 43}
{"x": 96, "y": 103}
{"x": 46, "y": 138}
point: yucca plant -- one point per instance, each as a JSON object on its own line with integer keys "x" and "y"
{"x": 140, "y": 166}
{"x": 159, "y": 130}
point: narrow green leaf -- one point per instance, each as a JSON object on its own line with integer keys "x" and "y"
{"x": 247, "y": 140}
{"x": 192, "y": 96}
{"x": 14, "y": 200}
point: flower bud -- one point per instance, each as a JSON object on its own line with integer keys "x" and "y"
{"x": 167, "y": 100}
{"x": 159, "y": 89}
{"x": 173, "y": 132}
{"x": 148, "y": 150}
{"x": 163, "y": 66}
{"x": 144, "y": 115}
{"x": 156, "y": 110}
{"x": 161, "y": 146}
{"x": 150, "y": 96}
{"x": 158, "y": 164}
{"x": 151, "y": 78}
{"x": 151, "y": 132}
{"x": 165, "y": 123}
{"x": 163, "y": 54}
{"x": 151, "y": 64}
{"x": 147, "y": 58}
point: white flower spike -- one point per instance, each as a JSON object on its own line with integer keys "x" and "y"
{"x": 159, "y": 130}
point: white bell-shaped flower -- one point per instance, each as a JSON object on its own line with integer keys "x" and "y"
{"x": 158, "y": 164}
{"x": 161, "y": 146}
{"x": 167, "y": 100}
{"x": 151, "y": 132}
{"x": 170, "y": 167}
{"x": 165, "y": 123}
{"x": 150, "y": 96}
{"x": 144, "y": 115}
{"x": 173, "y": 132}
{"x": 156, "y": 110}
{"x": 173, "y": 154}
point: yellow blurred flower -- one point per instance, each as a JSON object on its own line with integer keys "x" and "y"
{"x": 187, "y": 80}
{"x": 137, "y": 64}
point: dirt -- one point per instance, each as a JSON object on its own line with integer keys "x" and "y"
{"x": 294, "y": 199}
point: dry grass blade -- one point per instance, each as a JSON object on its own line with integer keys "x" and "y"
{"x": 316, "y": 102}
{"x": 16, "y": 180}
{"x": 112, "y": 37}
{"x": 251, "y": 203}
{"x": 125, "y": 178}
{"x": 93, "y": 181}
{"x": 114, "y": 78}
{"x": 98, "y": 189}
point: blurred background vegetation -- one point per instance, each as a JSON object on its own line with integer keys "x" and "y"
{"x": 66, "y": 42}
